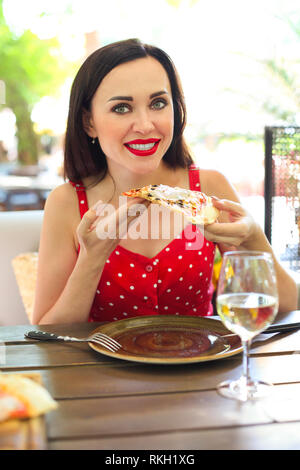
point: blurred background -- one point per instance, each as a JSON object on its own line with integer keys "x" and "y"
{"x": 238, "y": 61}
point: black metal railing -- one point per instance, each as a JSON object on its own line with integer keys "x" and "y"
{"x": 282, "y": 193}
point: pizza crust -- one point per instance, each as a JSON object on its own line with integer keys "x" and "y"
{"x": 194, "y": 205}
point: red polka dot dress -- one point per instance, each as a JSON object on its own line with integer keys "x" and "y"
{"x": 177, "y": 281}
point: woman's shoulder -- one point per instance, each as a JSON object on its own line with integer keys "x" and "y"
{"x": 215, "y": 183}
{"x": 62, "y": 203}
{"x": 62, "y": 194}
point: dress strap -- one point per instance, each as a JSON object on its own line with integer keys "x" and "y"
{"x": 194, "y": 176}
{"x": 82, "y": 199}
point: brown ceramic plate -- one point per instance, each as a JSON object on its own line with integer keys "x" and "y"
{"x": 166, "y": 339}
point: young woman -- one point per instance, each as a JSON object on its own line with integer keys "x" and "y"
{"x": 125, "y": 130}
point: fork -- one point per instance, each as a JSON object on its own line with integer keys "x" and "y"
{"x": 99, "y": 338}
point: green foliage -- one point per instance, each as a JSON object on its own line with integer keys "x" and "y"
{"x": 286, "y": 78}
{"x": 31, "y": 68}
{"x": 29, "y": 64}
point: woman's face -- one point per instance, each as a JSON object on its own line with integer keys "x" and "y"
{"x": 132, "y": 115}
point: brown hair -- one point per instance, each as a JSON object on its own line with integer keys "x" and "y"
{"x": 83, "y": 158}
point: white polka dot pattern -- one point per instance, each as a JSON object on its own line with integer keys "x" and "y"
{"x": 176, "y": 282}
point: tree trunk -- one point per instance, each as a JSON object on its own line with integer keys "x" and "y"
{"x": 27, "y": 139}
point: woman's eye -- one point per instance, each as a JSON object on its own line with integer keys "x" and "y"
{"x": 121, "y": 108}
{"x": 159, "y": 104}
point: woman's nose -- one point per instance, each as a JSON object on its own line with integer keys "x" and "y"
{"x": 143, "y": 123}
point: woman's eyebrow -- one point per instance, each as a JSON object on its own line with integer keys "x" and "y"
{"x": 158, "y": 93}
{"x": 130, "y": 98}
{"x": 121, "y": 98}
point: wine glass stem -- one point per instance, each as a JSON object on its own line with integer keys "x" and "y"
{"x": 246, "y": 368}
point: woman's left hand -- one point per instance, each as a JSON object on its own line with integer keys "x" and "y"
{"x": 236, "y": 227}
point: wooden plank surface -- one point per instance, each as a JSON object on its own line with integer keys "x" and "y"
{"x": 106, "y": 403}
{"x": 116, "y": 379}
{"x": 16, "y": 333}
{"x": 152, "y": 413}
{"x": 76, "y": 370}
{"x": 275, "y": 436}
{"x": 34, "y": 354}
{"x": 169, "y": 411}
{"x": 278, "y": 343}
{"x": 49, "y": 354}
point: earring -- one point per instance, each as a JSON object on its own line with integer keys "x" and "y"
{"x": 93, "y": 140}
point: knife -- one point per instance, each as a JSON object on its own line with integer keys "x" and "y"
{"x": 276, "y": 328}
{"x": 281, "y": 328}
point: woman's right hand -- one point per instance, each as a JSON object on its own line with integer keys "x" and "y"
{"x": 67, "y": 281}
{"x": 102, "y": 227}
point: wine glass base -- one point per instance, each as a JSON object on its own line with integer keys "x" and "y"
{"x": 242, "y": 391}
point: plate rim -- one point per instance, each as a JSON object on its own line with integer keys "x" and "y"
{"x": 170, "y": 360}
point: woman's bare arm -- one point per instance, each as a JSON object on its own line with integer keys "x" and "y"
{"x": 66, "y": 282}
{"x": 237, "y": 229}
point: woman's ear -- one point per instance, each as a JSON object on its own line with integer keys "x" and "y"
{"x": 87, "y": 122}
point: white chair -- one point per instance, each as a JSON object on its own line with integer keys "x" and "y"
{"x": 19, "y": 233}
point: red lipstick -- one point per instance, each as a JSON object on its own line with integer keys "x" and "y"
{"x": 142, "y": 147}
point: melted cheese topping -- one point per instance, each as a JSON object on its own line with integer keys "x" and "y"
{"x": 174, "y": 194}
{"x": 195, "y": 205}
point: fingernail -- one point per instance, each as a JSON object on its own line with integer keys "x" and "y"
{"x": 134, "y": 200}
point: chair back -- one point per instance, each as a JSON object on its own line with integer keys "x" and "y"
{"x": 19, "y": 233}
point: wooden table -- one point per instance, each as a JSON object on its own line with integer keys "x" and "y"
{"x": 109, "y": 404}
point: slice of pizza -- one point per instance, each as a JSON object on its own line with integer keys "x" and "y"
{"x": 22, "y": 397}
{"x": 194, "y": 205}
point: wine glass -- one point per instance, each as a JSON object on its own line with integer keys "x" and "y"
{"x": 247, "y": 302}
